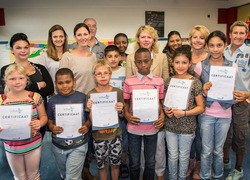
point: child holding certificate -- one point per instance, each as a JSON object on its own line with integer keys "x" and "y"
{"x": 146, "y": 132}
{"x": 69, "y": 152}
{"x": 216, "y": 119}
{"x": 111, "y": 55}
{"x": 180, "y": 124}
{"x": 23, "y": 156}
{"x": 107, "y": 141}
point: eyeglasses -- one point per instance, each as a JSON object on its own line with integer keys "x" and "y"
{"x": 102, "y": 74}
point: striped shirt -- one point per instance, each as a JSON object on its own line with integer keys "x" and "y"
{"x": 139, "y": 82}
{"x": 23, "y": 147}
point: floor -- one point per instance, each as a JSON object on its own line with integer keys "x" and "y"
{"x": 49, "y": 170}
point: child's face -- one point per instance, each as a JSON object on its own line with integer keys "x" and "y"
{"x": 16, "y": 82}
{"x": 181, "y": 64}
{"x": 113, "y": 58}
{"x": 65, "y": 84}
{"x": 102, "y": 76}
{"x": 122, "y": 43}
{"x": 216, "y": 47}
{"x": 143, "y": 63}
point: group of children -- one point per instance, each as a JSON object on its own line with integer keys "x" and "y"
{"x": 111, "y": 145}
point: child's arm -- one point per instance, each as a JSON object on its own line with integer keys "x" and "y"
{"x": 160, "y": 122}
{"x": 43, "y": 119}
{"x": 197, "y": 110}
{"x": 54, "y": 129}
{"x": 131, "y": 119}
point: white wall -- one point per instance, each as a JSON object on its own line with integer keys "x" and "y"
{"x": 35, "y": 17}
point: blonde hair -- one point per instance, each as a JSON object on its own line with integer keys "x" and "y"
{"x": 100, "y": 63}
{"x": 14, "y": 68}
{"x": 51, "y": 50}
{"x": 154, "y": 35}
{"x": 239, "y": 23}
{"x": 200, "y": 28}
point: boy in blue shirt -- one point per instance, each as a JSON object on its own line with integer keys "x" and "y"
{"x": 69, "y": 154}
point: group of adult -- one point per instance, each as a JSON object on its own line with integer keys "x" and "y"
{"x": 88, "y": 49}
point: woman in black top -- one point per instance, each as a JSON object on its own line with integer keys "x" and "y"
{"x": 40, "y": 80}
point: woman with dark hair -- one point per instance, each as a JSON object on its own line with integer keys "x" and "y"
{"x": 81, "y": 60}
{"x": 56, "y": 47}
{"x": 174, "y": 41}
{"x": 40, "y": 80}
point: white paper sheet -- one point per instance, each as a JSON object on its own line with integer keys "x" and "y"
{"x": 146, "y": 105}
{"x": 69, "y": 116}
{"x": 177, "y": 94}
{"x": 104, "y": 114}
{"x": 223, "y": 82}
{"x": 14, "y": 120}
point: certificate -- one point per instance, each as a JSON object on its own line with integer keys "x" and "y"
{"x": 118, "y": 83}
{"x": 14, "y": 121}
{"x": 104, "y": 114}
{"x": 177, "y": 94}
{"x": 223, "y": 82}
{"x": 146, "y": 105}
{"x": 69, "y": 116}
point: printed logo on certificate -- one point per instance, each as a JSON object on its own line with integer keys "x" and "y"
{"x": 118, "y": 83}
{"x": 104, "y": 114}
{"x": 69, "y": 116}
{"x": 14, "y": 121}
{"x": 146, "y": 105}
{"x": 177, "y": 94}
{"x": 223, "y": 82}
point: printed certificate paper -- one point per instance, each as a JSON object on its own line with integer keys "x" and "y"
{"x": 177, "y": 94}
{"x": 104, "y": 114}
{"x": 146, "y": 105}
{"x": 69, "y": 116}
{"x": 14, "y": 120}
{"x": 118, "y": 83}
{"x": 223, "y": 82}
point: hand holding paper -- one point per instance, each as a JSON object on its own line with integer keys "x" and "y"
{"x": 240, "y": 96}
{"x": 207, "y": 87}
{"x": 57, "y": 129}
{"x": 132, "y": 119}
{"x": 178, "y": 113}
{"x": 36, "y": 125}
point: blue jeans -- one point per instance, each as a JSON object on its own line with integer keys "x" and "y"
{"x": 134, "y": 145}
{"x": 70, "y": 162}
{"x": 196, "y": 145}
{"x": 124, "y": 135}
{"x": 179, "y": 146}
{"x": 213, "y": 134}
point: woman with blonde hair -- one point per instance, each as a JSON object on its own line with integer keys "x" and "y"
{"x": 57, "y": 46}
{"x": 147, "y": 37}
{"x": 197, "y": 37}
